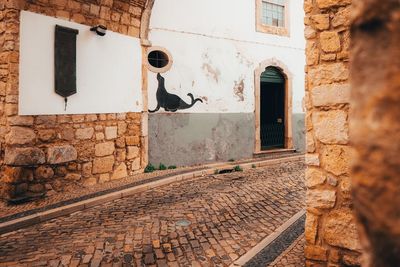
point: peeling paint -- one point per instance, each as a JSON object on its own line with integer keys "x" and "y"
{"x": 243, "y": 60}
{"x": 211, "y": 72}
{"x": 238, "y": 89}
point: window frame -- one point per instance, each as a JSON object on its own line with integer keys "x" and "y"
{"x": 265, "y": 28}
{"x": 163, "y": 69}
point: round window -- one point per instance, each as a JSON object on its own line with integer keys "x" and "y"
{"x": 159, "y": 60}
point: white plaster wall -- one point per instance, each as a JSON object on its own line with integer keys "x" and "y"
{"x": 214, "y": 44}
{"x": 109, "y": 76}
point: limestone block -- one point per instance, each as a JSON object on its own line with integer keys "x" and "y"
{"x": 310, "y": 144}
{"x": 321, "y": 199}
{"x": 316, "y": 253}
{"x": 73, "y": 177}
{"x": 336, "y": 159}
{"x": 99, "y": 136}
{"x": 311, "y": 228}
{"x": 132, "y": 140}
{"x": 20, "y": 136}
{"x": 24, "y": 156}
{"x": 121, "y": 155}
{"x": 314, "y": 177}
{"x": 312, "y": 52}
{"x": 332, "y": 3}
{"x": 67, "y": 134}
{"x": 46, "y": 135}
{"x": 90, "y": 181}
{"x": 332, "y": 94}
{"x": 84, "y": 134}
{"x": 61, "y": 154}
{"x": 111, "y": 132}
{"x": 136, "y": 165}
{"x": 132, "y": 152}
{"x": 120, "y": 142}
{"x": 331, "y": 127}
{"x": 20, "y": 120}
{"x": 104, "y": 178}
{"x": 47, "y": 120}
{"x": 36, "y": 188}
{"x": 44, "y": 172}
{"x": 104, "y": 149}
{"x": 87, "y": 169}
{"x": 327, "y": 74}
{"x": 320, "y": 21}
{"x": 103, "y": 165}
{"x": 340, "y": 230}
{"x": 330, "y": 41}
{"x": 342, "y": 17}
{"x": 312, "y": 159}
{"x": 309, "y": 33}
{"x": 120, "y": 172}
{"x": 16, "y": 175}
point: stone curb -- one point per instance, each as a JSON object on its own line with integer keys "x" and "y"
{"x": 29, "y": 220}
{"x": 287, "y": 251}
{"x": 267, "y": 241}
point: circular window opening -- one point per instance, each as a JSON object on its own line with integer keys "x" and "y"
{"x": 158, "y": 59}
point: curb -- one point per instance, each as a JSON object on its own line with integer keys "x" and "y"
{"x": 13, "y": 225}
{"x": 288, "y": 250}
{"x": 242, "y": 261}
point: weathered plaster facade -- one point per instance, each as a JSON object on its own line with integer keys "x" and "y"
{"x": 42, "y": 153}
{"x": 219, "y": 57}
{"x": 331, "y": 234}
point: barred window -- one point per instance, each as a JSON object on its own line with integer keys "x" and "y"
{"x": 273, "y": 13}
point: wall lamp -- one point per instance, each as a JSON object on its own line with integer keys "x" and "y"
{"x": 99, "y": 29}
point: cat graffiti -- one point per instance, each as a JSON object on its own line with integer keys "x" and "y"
{"x": 171, "y": 102}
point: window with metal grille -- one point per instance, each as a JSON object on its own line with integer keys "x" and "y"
{"x": 273, "y": 13}
{"x": 158, "y": 59}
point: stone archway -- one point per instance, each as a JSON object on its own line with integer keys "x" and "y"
{"x": 273, "y": 62}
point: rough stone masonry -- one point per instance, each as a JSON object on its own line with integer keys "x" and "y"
{"x": 331, "y": 234}
{"x": 44, "y": 153}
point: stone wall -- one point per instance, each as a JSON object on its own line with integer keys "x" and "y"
{"x": 331, "y": 235}
{"x": 40, "y": 153}
{"x": 375, "y": 127}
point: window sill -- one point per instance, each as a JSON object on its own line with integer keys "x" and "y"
{"x": 281, "y": 31}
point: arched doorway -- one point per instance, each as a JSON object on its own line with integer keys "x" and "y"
{"x": 272, "y": 109}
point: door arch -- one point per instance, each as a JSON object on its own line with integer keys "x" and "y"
{"x": 268, "y": 73}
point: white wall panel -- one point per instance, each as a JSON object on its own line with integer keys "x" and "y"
{"x": 109, "y": 76}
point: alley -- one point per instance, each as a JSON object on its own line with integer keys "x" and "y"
{"x": 209, "y": 221}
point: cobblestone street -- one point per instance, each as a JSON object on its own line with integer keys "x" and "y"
{"x": 209, "y": 221}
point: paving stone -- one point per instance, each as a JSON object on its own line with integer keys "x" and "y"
{"x": 229, "y": 214}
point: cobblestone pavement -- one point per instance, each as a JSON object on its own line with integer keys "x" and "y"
{"x": 293, "y": 256}
{"x": 228, "y": 214}
{"x": 71, "y": 190}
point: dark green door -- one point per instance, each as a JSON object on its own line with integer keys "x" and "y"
{"x": 272, "y": 109}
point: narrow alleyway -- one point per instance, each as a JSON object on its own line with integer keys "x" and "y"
{"x": 210, "y": 221}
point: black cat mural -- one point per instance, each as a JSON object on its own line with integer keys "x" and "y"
{"x": 171, "y": 102}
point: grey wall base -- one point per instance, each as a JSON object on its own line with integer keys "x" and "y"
{"x": 299, "y": 131}
{"x": 189, "y": 139}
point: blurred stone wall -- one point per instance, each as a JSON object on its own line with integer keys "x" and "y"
{"x": 375, "y": 128}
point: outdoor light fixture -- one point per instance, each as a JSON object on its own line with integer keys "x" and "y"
{"x": 99, "y": 29}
